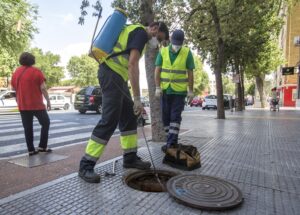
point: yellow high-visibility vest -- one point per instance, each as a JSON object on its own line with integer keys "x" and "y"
{"x": 119, "y": 63}
{"x": 174, "y": 75}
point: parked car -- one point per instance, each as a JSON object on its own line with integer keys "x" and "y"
{"x": 89, "y": 99}
{"x": 8, "y": 99}
{"x": 196, "y": 102}
{"x": 209, "y": 102}
{"x": 59, "y": 101}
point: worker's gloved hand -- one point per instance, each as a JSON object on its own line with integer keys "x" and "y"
{"x": 157, "y": 92}
{"x": 137, "y": 106}
{"x": 190, "y": 96}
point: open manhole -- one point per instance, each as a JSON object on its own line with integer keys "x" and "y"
{"x": 147, "y": 181}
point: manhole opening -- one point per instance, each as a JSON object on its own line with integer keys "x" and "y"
{"x": 147, "y": 181}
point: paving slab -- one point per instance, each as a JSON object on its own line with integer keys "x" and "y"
{"x": 37, "y": 160}
{"x": 258, "y": 155}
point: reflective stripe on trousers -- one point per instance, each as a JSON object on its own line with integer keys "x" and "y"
{"x": 172, "y": 107}
{"x": 128, "y": 141}
{"x": 94, "y": 150}
{"x": 117, "y": 109}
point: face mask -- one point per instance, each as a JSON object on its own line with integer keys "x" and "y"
{"x": 153, "y": 43}
{"x": 176, "y": 48}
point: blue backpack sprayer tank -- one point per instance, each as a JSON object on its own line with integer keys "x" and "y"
{"x": 108, "y": 35}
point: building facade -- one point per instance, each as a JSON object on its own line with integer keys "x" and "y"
{"x": 288, "y": 85}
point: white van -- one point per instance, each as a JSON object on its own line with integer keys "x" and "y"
{"x": 59, "y": 101}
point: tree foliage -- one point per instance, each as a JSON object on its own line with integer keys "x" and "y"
{"x": 228, "y": 85}
{"x": 83, "y": 70}
{"x": 231, "y": 32}
{"x": 201, "y": 80}
{"x": 48, "y": 63}
{"x": 17, "y": 19}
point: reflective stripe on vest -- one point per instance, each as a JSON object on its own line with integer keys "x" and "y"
{"x": 174, "y": 75}
{"x": 119, "y": 63}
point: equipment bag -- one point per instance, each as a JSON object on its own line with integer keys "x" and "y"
{"x": 184, "y": 157}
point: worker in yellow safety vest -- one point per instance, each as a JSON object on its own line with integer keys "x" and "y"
{"x": 174, "y": 81}
{"x": 118, "y": 108}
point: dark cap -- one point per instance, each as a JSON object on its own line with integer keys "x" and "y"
{"x": 177, "y": 37}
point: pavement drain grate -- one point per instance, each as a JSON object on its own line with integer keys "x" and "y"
{"x": 37, "y": 160}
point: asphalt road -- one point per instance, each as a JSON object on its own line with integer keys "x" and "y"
{"x": 66, "y": 127}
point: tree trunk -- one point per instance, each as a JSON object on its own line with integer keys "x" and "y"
{"x": 219, "y": 63}
{"x": 260, "y": 88}
{"x": 158, "y": 133}
{"x": 242, "y": 88}
{"x": 239, "y": 87}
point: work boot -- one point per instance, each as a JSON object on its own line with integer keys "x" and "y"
{"x": 86, "y": 171}
{"x": 131, "y": 160}
{"x": 89, "y": 175}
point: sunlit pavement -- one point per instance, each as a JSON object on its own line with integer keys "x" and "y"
{"x": 256, "y": 150}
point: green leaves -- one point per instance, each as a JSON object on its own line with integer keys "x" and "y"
{"x": 16, "y": 31}
{"x": 83, "y": 70}
{"x": 201, "y": 80}
{"x": 48, "y": 63}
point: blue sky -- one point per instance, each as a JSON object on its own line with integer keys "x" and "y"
{"x": 59, "y": 31}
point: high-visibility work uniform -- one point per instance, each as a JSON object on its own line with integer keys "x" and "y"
{"x": 117, "y": 105}
{"x": 174, "y": 83}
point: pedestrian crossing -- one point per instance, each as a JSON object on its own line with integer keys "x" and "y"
{"x": 12, "y": 139}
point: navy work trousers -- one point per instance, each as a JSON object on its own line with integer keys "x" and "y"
{"x": 172, "y": 107}
{"x": 117, "y": 105}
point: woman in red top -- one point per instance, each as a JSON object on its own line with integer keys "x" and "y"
{"x": 30, "y": 87}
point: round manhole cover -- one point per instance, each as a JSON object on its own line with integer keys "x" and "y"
{"x": 204, "y": 192}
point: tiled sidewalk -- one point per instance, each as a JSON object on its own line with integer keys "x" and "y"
{"x": 258, "y": 152}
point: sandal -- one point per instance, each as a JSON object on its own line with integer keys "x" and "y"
{"x": 33, "y": 153}
{"x": 48, "y": 150}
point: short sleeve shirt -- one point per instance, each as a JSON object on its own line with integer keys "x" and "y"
{"x": 137, "y": 39}
{"x": 28, "y": 92}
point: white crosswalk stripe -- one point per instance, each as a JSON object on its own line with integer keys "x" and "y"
{"x": 58, "y": 124}
{"x": 19, "y": 123}
{"x": 52, "y": 131}
{"x": 12, "y": 131}
{"x": 52, "y": 141}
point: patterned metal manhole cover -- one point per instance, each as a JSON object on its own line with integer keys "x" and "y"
{"x": 204, "y": 192}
